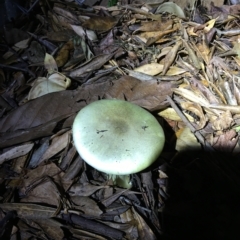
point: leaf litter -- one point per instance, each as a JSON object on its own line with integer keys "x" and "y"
{"x": 178, "y": 61}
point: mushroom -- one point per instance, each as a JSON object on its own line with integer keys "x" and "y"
{"x": 117, "y": 137}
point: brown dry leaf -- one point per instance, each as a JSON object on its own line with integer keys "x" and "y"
{"x": 227, "y": 92}
{"x": 150, "y": 69}
{"x": 147, "y": 94}
{"x": 51, "y": 227}
{"x": 226, "y": 142}
{"x": 44, "y": 192}
{"x": 197, "y": 110}
{"x": 107, "y": 45}
{"x": 170, "y": 57}
{"x": 155, "y": 36}
{"x": 78, "y": 234}
{"x": 199, "y": 86}
{"x": 219, "y": 63}
{"x": 110, "y": 199}
{"x": 127, "y": 216}
{"x": 93, "y": 226}
{"x": 37, "y": 175}
{"x": 16, "y": 152}
{"x": 237, "y": 60}
{"x": 236, "y": 47}
{"x": 22, "y": 44}
{"x": 171, "y": 114}
{"x": 223, "y": 122}
{"x": 50, "y": 64}
{"x": 78, "y": 30}
{"x": 68, "y": 15}
{"x": 86, "y": 205}
{"x": 84, "y": 189}
{"x": 232, "y": 109}
{"x": 209, "y": 3}
{"x": 144, "y": 36}
{"x": 141, "y": 13}
{"x": 232, "y": 9}
{"x": 73, "y": 165}
{"x": 29, "y": 211}
{"x": 127, "y": 227}
{"x": 209, "y": 25}
{"x": 57, "y": 145}
{"x": 236, "y": 92}
{"x": 60, "y": 36}
{"x": 94, "y": 64}
{"x": 46, "y": 111}
{"x": 191, "y": 32}
{"x": 204, "y": 50}
{"x": 63, "y": 54}
{"x": 192, "y": 56}
{"x": 190, "y": 95}
{"x": 175, "y": 71}
{"x": 158, "y": 25}
{"x": 100, "y": 23}
{"x": 156, "y": 68}
{"x": 164, "y": 52}
{"x": 186, "y": 140}
{"x": 144, "y": 231}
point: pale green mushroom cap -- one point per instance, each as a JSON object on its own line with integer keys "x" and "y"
{"x": 117, "y": 137}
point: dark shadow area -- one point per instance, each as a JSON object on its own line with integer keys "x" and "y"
{"x": 204, "y": 197}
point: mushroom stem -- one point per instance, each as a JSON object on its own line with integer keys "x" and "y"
{"x": 121, "y": 180}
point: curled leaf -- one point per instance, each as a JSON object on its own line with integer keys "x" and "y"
{"x": 55, "y": 83}
{"x": 171, "y": 7}
{"x": 196, "y": 109}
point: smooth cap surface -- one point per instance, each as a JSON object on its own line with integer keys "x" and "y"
{"x": 117, "y": 137}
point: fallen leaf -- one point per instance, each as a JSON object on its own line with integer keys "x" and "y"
{"x": 94, "y": 64}
{"x": 39, "y": 175}
{"x": 158, "y": 25}
{"x": 150, "y": 69}
{"x": 86, "y": 205}
{"x": 51, "y": 227}
{"x": 54, "y": 83}
{"x": 98, "y": 23}
{"x": 186, "y": 140}
{"x": 29, "y": 211}
{"x": 171, "y": 7}
{"x": 226, "y": 142}
{"x": 197, "y": 111}
{"x": 170, "y": 57}
{"x": 63, "y": 54}
{"x": 147, "y": 94}
{"x": 144, "y": 231}
{"x": 57, "y": 145}
{"x": 16, "y": 152}
{"x": 222, "y": 122}
{"x": 85, "y": 189}
{"x": 171, "y": 114}
{"x": 50, "y": 64}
